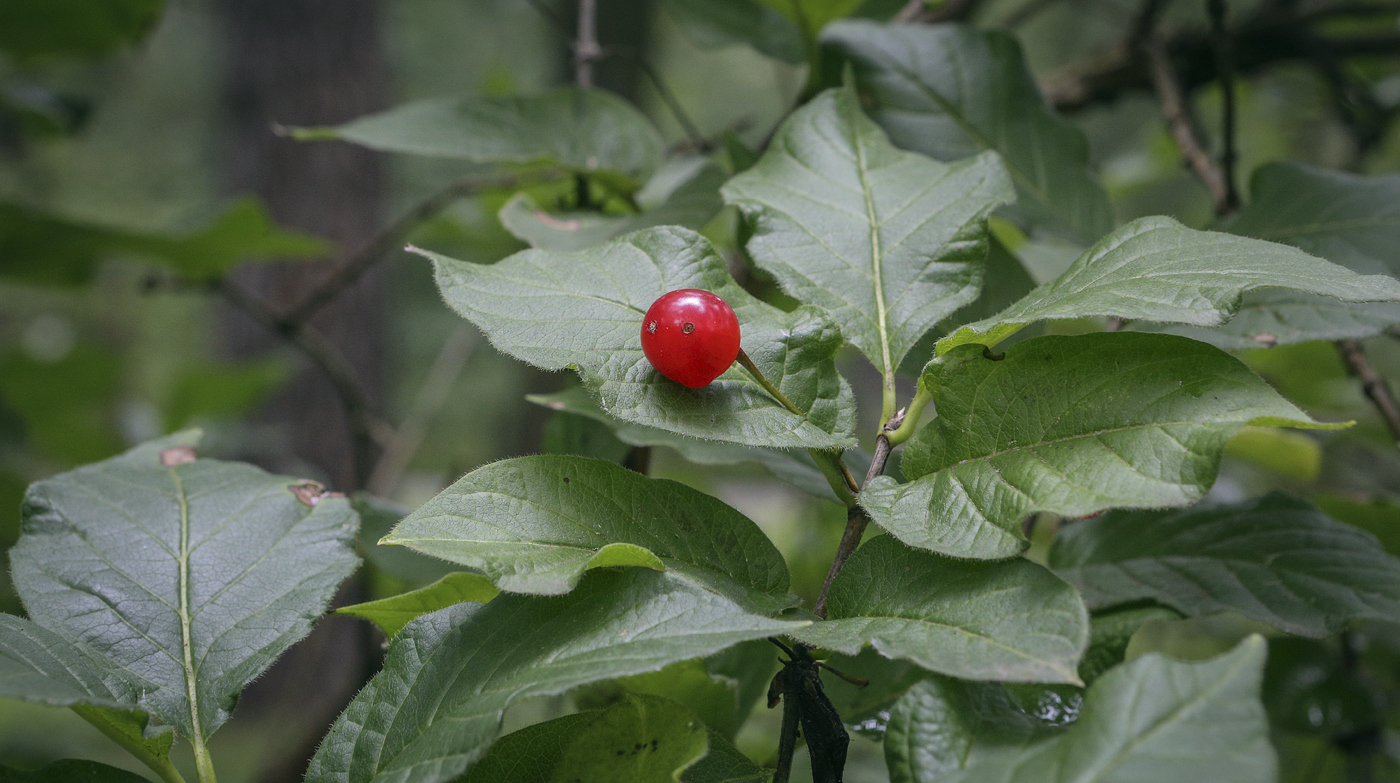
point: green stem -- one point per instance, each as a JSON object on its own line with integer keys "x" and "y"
{"x": 757, "y": 374}
{"x": 837, "y": 475}
{"x": 203, "y": 764}
{"x": 911, "y": 417}
{"x": 159, "y": 764}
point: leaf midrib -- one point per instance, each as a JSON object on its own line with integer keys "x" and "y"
{"x": 191, "y": 681}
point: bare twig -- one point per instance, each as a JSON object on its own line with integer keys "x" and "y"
{"x": 366, "y": 431}
{"x": 432, "y": 396}
{"x": 856, "y": 517}
{"x": 586, "y": 49}
{"x": 1372, "y": 383}
{"x": 1225, "y": 68}
{"x": 1183, "y": 130}
{"x": 392, "y": 236}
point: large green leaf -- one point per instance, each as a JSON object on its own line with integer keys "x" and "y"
{"x": 1069, "y": 425}
{"x": 1279, "y": 316}
{"x": 978, "y": 621}
{"x": 1275, "y": 559}
{"x": 1345, "y": 218}
{"x": 691, "y": 202}
{"x": 186, "y": 577}
{"x": 47, "y": 29}
{"x": 41, "y": 666}
{"x": 950, "y": 91}
{"x": 888, "y": 242}
{"x": 71, "y": 771}
{"x": 393, "y": 613}
{"x": 436, "y": 706}
{"x": 1155, "y": 269}
{"x": 584, "y": 310}
{"x": 711, "y": 24}
{"x": 1153, "y": 720}
{"x": 535, "y": 524}
{"x": 42, "y": 248}
{"x": 576, "y": 129}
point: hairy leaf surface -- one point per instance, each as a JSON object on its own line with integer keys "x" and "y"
{"x": 888, "y": 242}
{"x": 188, "y": 577}
{"x": 1275, "y": 559}
{"x": 393, "y": 613}
{"x": 437, "y": 705}
{"x": 977, "y": 621}
{"x": 1154, "y": 720}
{"x": 950, "y": 91}
{"x": 1069, "y": 425}
{"x": 535, "y": 524}
{"x": 1155, "y": 269}
{"x": 584, "y": 310}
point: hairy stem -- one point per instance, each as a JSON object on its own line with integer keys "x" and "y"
{"x": 747, "y": 363}
{"x": 159, "y": 765}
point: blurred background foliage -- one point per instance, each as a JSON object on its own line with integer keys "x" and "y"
{"x": 127, "y": 128}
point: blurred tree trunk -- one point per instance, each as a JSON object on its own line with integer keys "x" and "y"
{"x": 309, "y": 62}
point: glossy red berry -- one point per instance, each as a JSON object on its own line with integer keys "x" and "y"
{"x": 690, "y": 336}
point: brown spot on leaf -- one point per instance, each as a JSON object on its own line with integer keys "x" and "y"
{"x": 311, "y": 493}
{"x": 1265, "y": 339}
{"x": 177, "y": 455}
{"x": 557, "y": 224}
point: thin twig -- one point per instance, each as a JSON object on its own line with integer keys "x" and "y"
{"x": 856, "y": 517}
{"x": 1183, "y": 130}
{"x": 1372, "y": 383}
{"x": 668, "y": 97}
{"x": 586, "y": 49}
{"x": 911, "y": 12}
{"x": 392, "y": 236}
{"x": 1225, "y": 67}
{"x": 427, "y": 404}
{"x": 365, "y": 429}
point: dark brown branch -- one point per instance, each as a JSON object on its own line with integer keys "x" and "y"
{"x": 586, "y": 49}
{"x": 393, "y": 235}
{"x": 1183, "y": 130}
{"x": 856, "y": 518}
{"x": 1372, "y": 383}
{"x": 365, "y": 429}
{"x": 1225, "y": 68}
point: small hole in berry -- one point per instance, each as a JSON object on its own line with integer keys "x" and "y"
{"x": 687, "y": 327}
{"x": 651, "y": 327}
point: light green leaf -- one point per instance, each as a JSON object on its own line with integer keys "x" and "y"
{"x": 188, "y": 577}
{"x": 795, "y": 468}
{"x": 713, "y": 699}
{"x": 1345, "y": 218}
{"x": 1069, "y": 425}
{"x": 950, "y": 91}
{"x": 712, "y": 24}
{"x": 436, "y": 706}
{"x": 535, "y": 524}
{"x": 691, "y": 202}
{"x": 584, "y": 310}
{"x": 888, "y": 242}
{"x": 41, "y": 666}
{"x": 393, "y": 613}
{"x": 47, "y": 249}
{"x": 71, "y": 771}
{"x": 1274, "y": 559}
{"x": 576, "y": 129}
{"x": 1154, "y": 720}
{"x": 1155, "y": 269}
{"x": 1272, "y": 316}
{"x": 977, "y": 621}
{"x": 37, "y": 30}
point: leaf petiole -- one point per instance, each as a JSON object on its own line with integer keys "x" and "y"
{"x": 747, "y": 363}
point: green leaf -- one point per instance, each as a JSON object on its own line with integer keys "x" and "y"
{"x": 795, "y": 468}
{"x": 1311, "y": 688}
{"x": 1069, "y": 425}
{"x": 1154, "y": 720}
{"x": 46, "y": 249}
{"x": 1271, "y": 316}
{"x": 1155, "y": 269}
{"x": 569, "y": 514}
{"x": 377, "y": 517}
{"x": 71, "y": 771}
{"x": 1379, "y": 517}
{"x": 977, "y": 621}
{"x": 712, "y": 24}
{"x": 584, "y": 310}
{"x": 888, "y": 242}
{"x": 1109, "y": 634}
{"x": 449, "y": 676}
{"x": 41, "y": 666}
{"x": 393, "y": 613}
{"x": 189, "y": 577}
{"x": 620, "y": 739}
{"x": 713, "y": 699}
{"x": 812, "y": 15}
{"x": 575, "y": 129}
{"x": 950, "y": 91}
{"x": 1345, "y": 218}
{"x": 33, "y": 30}
{"x": 1274, "y": 559}
{"x": 691, "y": 202}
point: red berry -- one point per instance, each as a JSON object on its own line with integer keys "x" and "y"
{"x": 690, "y": 336}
